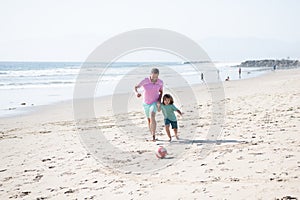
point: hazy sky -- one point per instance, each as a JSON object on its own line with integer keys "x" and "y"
{"x": 68, "y": 30}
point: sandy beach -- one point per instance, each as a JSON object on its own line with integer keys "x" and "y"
{"x": 44, "y": 154}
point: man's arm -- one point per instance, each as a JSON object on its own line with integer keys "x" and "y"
{"x": 158, "y": 106}
{"x": 160, "y": 92}
{"x": 136, "y": 91}
{"x": 160, "y": 95}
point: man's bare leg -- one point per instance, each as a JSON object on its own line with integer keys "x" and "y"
{"x": 149, "y": 124}
{"x": 153, "y": 125}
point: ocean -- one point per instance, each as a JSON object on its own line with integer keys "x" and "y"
{"x": 25, "y": 85}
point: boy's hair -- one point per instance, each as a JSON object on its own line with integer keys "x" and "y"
{"x": 154, "y": 71}
{"x": 168, "y": 96}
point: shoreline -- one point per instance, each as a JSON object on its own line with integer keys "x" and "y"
{"x": 27, "y": 110}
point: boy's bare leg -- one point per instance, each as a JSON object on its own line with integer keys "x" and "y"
{"x": 167, "y": 128}
{"x": 175, "y": 132}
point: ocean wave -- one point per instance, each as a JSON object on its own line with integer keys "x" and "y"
{"x": 35, "y": 85}
{"x": 41, "y": 73}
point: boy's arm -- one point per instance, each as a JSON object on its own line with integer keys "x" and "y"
{"x": 179, "y": 112}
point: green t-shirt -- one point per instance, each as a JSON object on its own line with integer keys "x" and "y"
{"x": 168, "y": 111}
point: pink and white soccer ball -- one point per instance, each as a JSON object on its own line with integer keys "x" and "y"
{"x": 161, "y": 152}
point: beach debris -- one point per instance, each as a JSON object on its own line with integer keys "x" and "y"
{"x": 69, "y": 191}
{"x": 38, "y": 177}
{"x": 46, "y": 131}
{"x": 287, "y": 198}
{"x": 25, "y": 193}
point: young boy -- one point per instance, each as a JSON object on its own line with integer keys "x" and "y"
{"x": 168, "y": 110}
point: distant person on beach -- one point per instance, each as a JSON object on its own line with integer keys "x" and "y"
{"x": 240, "y": 72}
{"x": 202, "y": 77}
{"x": 227, "y": 79}
{"x": 168, "y": 108}
{"x": 153, "y": 89}
{"x": 274, "y": 67}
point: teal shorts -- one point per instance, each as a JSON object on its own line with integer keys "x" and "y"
{"x": 148, "y": 108}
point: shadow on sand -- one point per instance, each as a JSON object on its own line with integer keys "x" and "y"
{"x": 200, "y": 142}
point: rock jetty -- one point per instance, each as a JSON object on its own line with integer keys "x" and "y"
{"x": 270, "y": 63}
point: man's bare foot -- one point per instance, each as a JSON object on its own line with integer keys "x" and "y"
{"x": 154, "y": 139}
{"x": 177, "y": 137}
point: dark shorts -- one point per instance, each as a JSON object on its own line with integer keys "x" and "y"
{"x": 173, "y": 123}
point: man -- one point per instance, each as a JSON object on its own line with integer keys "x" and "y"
{"x": 153, "y": 89}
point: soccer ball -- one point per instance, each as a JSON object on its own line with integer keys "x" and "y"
{"x": 161, "y": 152}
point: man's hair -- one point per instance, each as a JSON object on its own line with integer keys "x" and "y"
{"x": 154, "y": 71}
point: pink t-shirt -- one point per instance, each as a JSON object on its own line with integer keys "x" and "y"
{"x": 151, "y": 90}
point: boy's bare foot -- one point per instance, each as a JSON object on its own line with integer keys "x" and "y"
{"x": 170, "y": 139}
{"x": 177, "y": 137}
